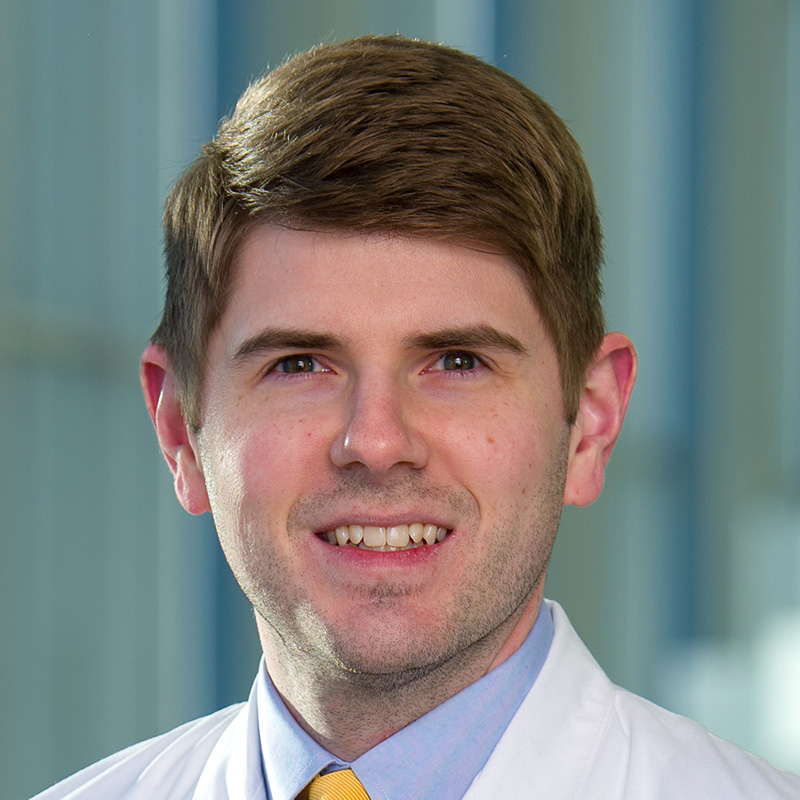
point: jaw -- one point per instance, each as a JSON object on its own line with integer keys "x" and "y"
{"x": 384, "y": 695}
{"x": 388, "y": 635}
{"x": 388, "y": 611}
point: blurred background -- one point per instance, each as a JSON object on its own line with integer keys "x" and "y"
{"x": 118, "y": 618}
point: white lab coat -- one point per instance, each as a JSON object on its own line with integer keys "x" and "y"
{"x": 576, "y": 736}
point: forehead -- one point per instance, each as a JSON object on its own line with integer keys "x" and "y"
{"x": 346, "y": 281}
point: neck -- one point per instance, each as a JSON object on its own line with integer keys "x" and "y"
{"x": 348, "y": 712}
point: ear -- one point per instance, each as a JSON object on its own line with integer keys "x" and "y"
{"x": 603, "y": 403}
{"x": 178, "y": 443}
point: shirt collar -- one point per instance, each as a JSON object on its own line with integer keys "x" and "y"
{"x": 431, "y": 757}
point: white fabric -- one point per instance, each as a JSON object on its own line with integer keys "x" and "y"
{"x": 576, "y": 736}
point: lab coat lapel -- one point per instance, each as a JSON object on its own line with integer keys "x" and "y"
{"x": 551, "y": 743}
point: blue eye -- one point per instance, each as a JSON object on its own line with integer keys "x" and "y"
{"x": 459, "y": 361}
{"x": 291, "y": 365}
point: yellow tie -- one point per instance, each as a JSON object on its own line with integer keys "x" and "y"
{"x": 339, "y": 785}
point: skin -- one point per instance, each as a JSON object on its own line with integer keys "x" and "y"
{"x": 380, "y": 380}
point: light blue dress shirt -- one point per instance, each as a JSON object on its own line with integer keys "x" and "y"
{"x": 437, "y": 755}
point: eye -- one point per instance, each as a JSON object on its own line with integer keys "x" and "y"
{"x": 293, "y": 365}
{"x": 457, "y": 361}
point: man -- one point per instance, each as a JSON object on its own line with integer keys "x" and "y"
{"x": 382, "y": 366}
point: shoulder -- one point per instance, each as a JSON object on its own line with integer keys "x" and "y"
{"x": 576, "y": 734}
{"x": 669, "y": 755}
{"x": 168, "y": 765}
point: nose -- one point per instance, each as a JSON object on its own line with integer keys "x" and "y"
{"x": 377, "y": 432}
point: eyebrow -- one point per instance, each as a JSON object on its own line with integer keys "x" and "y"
{"x": 469, "y": 336}
{"x": 285, "y": 339}
{"x": 298, "y": 339}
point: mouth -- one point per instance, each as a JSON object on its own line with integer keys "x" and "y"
{"x": 386, "y": 539}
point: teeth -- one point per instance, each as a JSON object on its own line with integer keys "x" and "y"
{"x": 356, "y": 534}
{"x": 374, "y": 537}
{"x": 429, "y": 534}
{"x": 395, "y": 537}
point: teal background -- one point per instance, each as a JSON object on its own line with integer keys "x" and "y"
{"x": 119, "y": 619}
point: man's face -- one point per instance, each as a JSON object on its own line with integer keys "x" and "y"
{"x": 360, "y": 383}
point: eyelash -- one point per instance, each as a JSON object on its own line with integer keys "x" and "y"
{"x": 478, "y": 362}
{"x": 275, "y": 368}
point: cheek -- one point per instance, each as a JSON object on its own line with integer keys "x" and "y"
{"x": 257, "y": 474}
{"x": 511, "y": 460}
{"x": 506, "y": 441}
{"x": 278, "y": 457}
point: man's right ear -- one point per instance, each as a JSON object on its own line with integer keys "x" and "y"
{"x": 178, "y": 443}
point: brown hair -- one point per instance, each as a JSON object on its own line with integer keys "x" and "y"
{"x": 385, "y": 134}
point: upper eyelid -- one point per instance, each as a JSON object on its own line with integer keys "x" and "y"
{"x": 275, "y": 362}
{"x": 482, "y": 360}
{"x": 431, "y": 359}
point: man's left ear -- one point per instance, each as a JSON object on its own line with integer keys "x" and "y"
{"x": 603, "y": 403}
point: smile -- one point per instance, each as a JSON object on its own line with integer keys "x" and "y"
{"x": 386, "y": 539}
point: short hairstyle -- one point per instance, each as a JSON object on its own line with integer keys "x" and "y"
{"x": 386, "y": 134}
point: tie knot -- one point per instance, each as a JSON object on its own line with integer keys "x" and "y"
{"x": 339, "y": 785}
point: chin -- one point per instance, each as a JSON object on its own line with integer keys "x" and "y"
{"x": 400, "y": 651}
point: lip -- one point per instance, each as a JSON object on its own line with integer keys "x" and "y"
{"x": 361, "y": 559}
